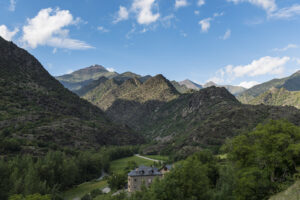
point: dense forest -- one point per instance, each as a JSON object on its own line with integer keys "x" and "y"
{"x": 251, "y": 166}
{"x": 54, "y": 172}
{"x": 256, "y": 165}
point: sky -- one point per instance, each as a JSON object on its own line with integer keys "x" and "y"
{"x": 237, "y": 42}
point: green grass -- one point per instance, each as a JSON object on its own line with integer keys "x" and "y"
{"x": 82, "y": 189}
{"x": 157, "y": 157}
{"x": 118, "y": 166}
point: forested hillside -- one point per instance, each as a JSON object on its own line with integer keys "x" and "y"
{"x": 37, "y": 113}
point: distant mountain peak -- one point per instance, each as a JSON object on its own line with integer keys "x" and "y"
{"x": 130, "y": 74}
{"x": 190, "y": 84}
{"x": 92, "y": 69}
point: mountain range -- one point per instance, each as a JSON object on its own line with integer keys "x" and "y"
{"x": 37, "y": 113}
{"x": 176, "y": 116}
{"x": 77, "y": 80}
{"x": 278, "y": 97}
{"x": 267, "y": 93}
{"x": 83, "y": 80}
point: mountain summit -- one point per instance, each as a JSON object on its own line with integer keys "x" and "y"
{"x": 76, "y": 80}
{"x": 190, "y": 84}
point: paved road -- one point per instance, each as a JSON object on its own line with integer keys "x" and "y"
{"x": 138, "y": 155}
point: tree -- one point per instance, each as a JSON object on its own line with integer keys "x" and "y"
{"x": 265, "y": 159}
{"x": 117, "y": 181}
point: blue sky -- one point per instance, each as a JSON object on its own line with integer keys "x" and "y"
{"x": 239, "y": 42}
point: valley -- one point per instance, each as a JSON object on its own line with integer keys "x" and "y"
{"x": 94, "y": 122}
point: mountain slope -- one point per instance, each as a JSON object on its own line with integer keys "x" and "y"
{"x": 130, "y": 101}
{"x": 38, "y": 112}
{"x": 155, "y": 88}
{"x": 291, "y": 83}
{"x": 82, "y": 77}
{"x": 180, "y": 88}
{"x": 235, "y": 90}
{"x": 278, "y": 97}
{"x": 204, "y": 119}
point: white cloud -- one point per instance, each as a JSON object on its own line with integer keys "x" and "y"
{"x": 272, "y": 10}
{"x": 143, "y": 8}
{"x": 248, "y": 84}
{"x": 262, "y": 66}
{"x": 54, "y": 50}
{"x": 218, "y": 14}
{"x": 102, "y": 29}
{"x": 110, "y": 69}
{"x": 123, "y": 14}
{"x": 287, "y": 12}
{"x": 290, "y": 46}
{"x": 167, "y": 20}
{"x": 70, "y": 71}
{"x": 205, "y": 24}
{"x": 131, "y": 32}
{"x": 48, "y": 28}
{"x": 180, "y": 3}
{"x": 226, "y": 35}
{"x": 217, "y": 80}
{"x": 6, "y": 33}
{"x": 12, "y": 5}
{"x": 268, "y": 5}
{"x": 297, "y": 60}
{"x": 196, "y": 12}
{"x": 201, "y": 2}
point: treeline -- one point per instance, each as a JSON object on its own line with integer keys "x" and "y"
{"x": 56, "y": 171}
{"x": 258, "y": 164}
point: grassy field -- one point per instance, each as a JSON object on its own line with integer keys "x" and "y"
{"x": 118, "y": 166}
{"x": 157, "y": 157}
{"x": 82, "y": 189}
{"x": 292, "y": 193}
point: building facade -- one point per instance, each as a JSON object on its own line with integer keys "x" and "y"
{"x": 165, "y": 169}
{"x": 142, "y": 175}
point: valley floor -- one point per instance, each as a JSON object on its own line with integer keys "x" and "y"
{"x": 116, "y": 166}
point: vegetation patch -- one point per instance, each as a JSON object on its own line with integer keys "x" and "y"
{"x": 83, "y": 189}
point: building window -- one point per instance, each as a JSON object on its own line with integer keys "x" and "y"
{"x": 135, "y": 179}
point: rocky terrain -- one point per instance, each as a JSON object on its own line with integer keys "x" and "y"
{"x": 205, "y": 119}
{"x": 278, "y": 97}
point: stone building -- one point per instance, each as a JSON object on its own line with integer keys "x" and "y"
{"x": 165, "y": 169}
{"x": 142, "y": 175}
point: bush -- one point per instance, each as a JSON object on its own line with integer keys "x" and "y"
{"x": 96, "y": 193}
{"x": 86, "y": 197}
{"x": 117, "y": 181}
{"x": 11, "y": 145}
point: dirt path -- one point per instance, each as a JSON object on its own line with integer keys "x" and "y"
{"x": 138, "y": 155}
